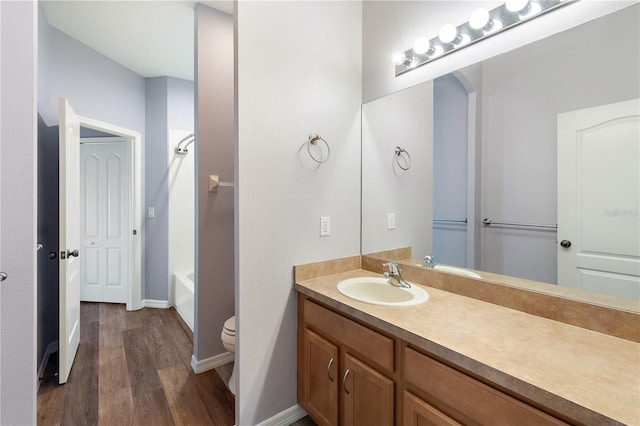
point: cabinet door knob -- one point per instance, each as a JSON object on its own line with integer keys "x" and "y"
{"x": 329, "y": 370}
{"x": 344, "y": 382}
{"x": 3, "y": 276}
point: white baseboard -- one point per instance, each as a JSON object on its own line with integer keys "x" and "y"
{"x": 285, "y": 417}
{"x": 211, "y": 363}
{"x": 159, "y": 304}
{"x": 51, "y": 349}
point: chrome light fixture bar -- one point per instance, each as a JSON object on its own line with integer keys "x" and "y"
{"x": 481, "y": 25}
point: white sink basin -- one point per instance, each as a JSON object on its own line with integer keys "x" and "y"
{"x": 455, "y": 270}
{"x": 378, "y": 291}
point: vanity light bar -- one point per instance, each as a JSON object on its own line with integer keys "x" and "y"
{"x": 482, "y": 24}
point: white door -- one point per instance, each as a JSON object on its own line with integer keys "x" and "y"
{"x": 69, "y": 239}
{"x": 599, "y": 199}
{"x": 105, "y": 170}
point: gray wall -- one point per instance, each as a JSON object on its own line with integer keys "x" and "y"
{"x": 18, "y": 161}
{"x": 48, "y": 235}
{"x": 169, "y": 105}
{"x": 450, "y": 127}
{"x": 214, "y": 152}
{"x": 156, "y": 187}
{"x": 95, "y": 86}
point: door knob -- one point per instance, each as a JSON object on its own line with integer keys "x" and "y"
{"x": 565, "y": 243}
{"x": 52, "y": 255}
{"x": 3, "y": 276}
{"x": 74, "y": 253}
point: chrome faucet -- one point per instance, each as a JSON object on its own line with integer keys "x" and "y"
{"x": 394, "y": 276}
{"x": 429, "y": 261}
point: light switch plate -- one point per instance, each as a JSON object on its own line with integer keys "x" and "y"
{"x": 391, "y": 221}
{"x": 325, "y": 226}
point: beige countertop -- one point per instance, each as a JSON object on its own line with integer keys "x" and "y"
{"x": 589, "y": 376}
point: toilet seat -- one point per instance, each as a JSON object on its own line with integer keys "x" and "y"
{"x": 230, "y": 326}
{"x": 228, "y": 337}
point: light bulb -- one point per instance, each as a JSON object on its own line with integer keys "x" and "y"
{"x": 479, "y": 19}
{"x": 516, "y": 5}
{"x": 421, "y": 45}
{"x": 398, "y": 58}
{"x": 448, "y": 33}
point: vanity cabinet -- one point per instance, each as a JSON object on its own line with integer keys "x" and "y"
{"x": 351, "y": 374}
{"x": 436, "y": 394}
{"x": 346, "y": 372}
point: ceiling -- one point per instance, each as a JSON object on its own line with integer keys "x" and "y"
{"x": 151, "y": 38}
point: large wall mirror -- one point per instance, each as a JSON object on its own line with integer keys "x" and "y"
{"x": 543, "y": 141}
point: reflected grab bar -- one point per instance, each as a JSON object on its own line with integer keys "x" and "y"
{"x": 450, "y": 221}
{"x": 487, "y": 221}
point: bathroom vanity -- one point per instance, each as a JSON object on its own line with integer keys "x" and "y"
{"x": 452, "y": 360}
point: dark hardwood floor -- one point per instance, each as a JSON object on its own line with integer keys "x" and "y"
{"x": 133, "y": 368}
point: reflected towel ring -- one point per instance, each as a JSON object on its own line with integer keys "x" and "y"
{"x": 313, "y": 140}
{"x": 399, "y": 151}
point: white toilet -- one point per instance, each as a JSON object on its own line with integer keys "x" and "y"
{"x": 228, "y": 337}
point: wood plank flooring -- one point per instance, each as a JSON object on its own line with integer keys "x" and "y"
{"x": 133, "y": 368}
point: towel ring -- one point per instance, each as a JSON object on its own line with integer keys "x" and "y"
{"x": 313, "y": 140}
{"x": 399, "y": 151}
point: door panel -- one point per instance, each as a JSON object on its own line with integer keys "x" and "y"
{"x": 418, "y": 413}
{"x": 599, "y": 199}
{"x": 320, "y": 385}
{"x": 106, "y": 171}
{"x": 69, "y": 239}
{"x": 368, "y": 395}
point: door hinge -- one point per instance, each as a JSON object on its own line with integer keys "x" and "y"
{"x": 135, "y": 232}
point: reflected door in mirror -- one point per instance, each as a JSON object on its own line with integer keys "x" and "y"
{"x": 599, "y": 205}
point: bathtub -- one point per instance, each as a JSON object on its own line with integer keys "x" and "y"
{"x": 183, "y": 296}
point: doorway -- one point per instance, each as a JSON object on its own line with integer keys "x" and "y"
{"x": 124, "y": 268}
{"x": 105, "y": 228}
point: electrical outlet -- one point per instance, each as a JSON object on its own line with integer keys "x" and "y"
{"x": 391, "y": 221}
{"x": 325, "y": 226}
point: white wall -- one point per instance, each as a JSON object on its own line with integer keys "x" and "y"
{"x": 181, "y": 205}
{"x": 18, "y": 209}
{"x": 298, "y": 72}
{"x": 402, "y": 119}
{"x": 392, "y": 26}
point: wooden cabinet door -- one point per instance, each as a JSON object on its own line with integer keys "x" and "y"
{"x": 320, "y": 379}
{"x": 367, "y": 395}
{"x": 419, "y": 413}
{"x": 464, "y": 398}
